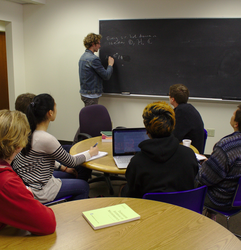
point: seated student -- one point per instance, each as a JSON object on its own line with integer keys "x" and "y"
{"x": 21, "y": 104}
{"x": 189, "y": 124}
{"x": 35, "y": 163}
{"x": 221, "y": 171}
{"x": 162, "y": 165}
{"x": 18, "y": 208}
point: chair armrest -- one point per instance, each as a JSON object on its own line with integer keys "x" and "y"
{"x": 81, "y": 137}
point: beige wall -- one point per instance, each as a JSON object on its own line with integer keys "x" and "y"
{"x": 53, "y": 35}
{"x": 11, "y": 15}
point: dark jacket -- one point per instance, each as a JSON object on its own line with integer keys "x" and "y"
{"x": 189, "y": 125}
{"x": 163, "y": 165}
{"x": 92, "y": 73}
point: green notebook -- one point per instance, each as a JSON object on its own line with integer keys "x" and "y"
{"x": 110, "y": 216}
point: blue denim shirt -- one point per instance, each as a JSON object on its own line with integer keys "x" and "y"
{"x": 92, "y": 73}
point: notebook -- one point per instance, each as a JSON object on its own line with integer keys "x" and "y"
{"x": 110, "y": 216}
{"x": 99, "y": 155}
{"x": 125, "y": 143}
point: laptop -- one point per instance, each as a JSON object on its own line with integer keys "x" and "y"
{"x": 125, "y": 143}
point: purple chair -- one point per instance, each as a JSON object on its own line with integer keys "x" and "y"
{"x": 92, "y": 120}
{"x": 190, "y": 199}
{"x": 205, "y": 139}
{"x": 235, "y": 203}
{"x": 54, "y": 202}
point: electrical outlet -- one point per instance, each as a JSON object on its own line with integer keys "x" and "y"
{"x": 211, "y": 132}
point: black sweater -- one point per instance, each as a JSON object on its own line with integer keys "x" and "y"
{"x": 163, "y": 165}
{"x": 189, "y": 125}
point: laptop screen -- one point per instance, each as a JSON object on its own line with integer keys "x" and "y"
{"x": 125, "y": 141}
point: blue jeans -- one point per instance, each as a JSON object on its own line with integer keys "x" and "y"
{"x": 63, "y": 175}
{"x": 76, "y": 187}
{"x": 83, "y": 173}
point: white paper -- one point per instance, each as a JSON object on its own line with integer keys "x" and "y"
{"x": 200, "y": 157}
{"x": 100, "y": 154}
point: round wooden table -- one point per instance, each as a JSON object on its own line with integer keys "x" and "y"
{"x": 105, "y": 164}
{"x": 161, "y": 226}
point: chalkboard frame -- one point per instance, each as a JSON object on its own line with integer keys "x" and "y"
{"x": 222, "y": 71}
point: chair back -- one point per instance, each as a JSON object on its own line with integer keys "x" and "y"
{"x": 93, "y": 119}
{"x": 204, "y": 141}
{"x": 191, "y": 199}
{"x": 237, "y": 196}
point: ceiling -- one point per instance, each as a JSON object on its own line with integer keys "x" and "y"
{"x": 27, "y": 1}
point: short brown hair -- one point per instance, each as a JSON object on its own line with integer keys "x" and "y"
{"x": 23, "y": 101}
{"x": 14, "y": 131}
{"x": 237, "y": 117}
{"x": 91, "y": 39}
{"x": 179, "y": 92}
{"x": 159, "y": 119}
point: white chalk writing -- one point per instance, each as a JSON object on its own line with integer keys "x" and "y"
{"x": 131, "y": 39}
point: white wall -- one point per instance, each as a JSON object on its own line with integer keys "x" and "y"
{"x": 12, "y": 15}
{"x": 53, "y": 35}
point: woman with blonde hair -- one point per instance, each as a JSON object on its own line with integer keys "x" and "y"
{"x": 17, "y": 204}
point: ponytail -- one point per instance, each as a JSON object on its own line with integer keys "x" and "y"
{"x": 37, "y": 113}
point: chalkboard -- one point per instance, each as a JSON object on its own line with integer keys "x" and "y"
{"x": 153, "y": 54}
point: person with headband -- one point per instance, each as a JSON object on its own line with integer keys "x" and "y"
{"x": 162, "y": 165}
{"x": 18, "y": 208}
{"x": 36, "y": 162}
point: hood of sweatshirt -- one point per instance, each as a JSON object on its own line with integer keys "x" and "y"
{"x": 160, "y": 149}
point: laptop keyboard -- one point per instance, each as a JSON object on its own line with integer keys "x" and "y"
{"x": 123, "y": 159}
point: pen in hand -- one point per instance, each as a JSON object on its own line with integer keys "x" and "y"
{"x": 94, "y": 150}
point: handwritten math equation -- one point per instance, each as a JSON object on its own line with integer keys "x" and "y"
{"x": 132, "y": 40}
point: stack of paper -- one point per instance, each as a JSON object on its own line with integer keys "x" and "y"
{"x": 200, "y": 157}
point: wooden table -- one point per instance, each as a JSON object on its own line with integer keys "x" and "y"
{"x": 105, "y": 164}
{"x": 162, "y": 226}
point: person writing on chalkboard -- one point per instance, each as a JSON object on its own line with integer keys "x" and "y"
{"x": 189, "y": 123}
{"x": 91, "y": 71}
{"x": 162, "y": 165}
